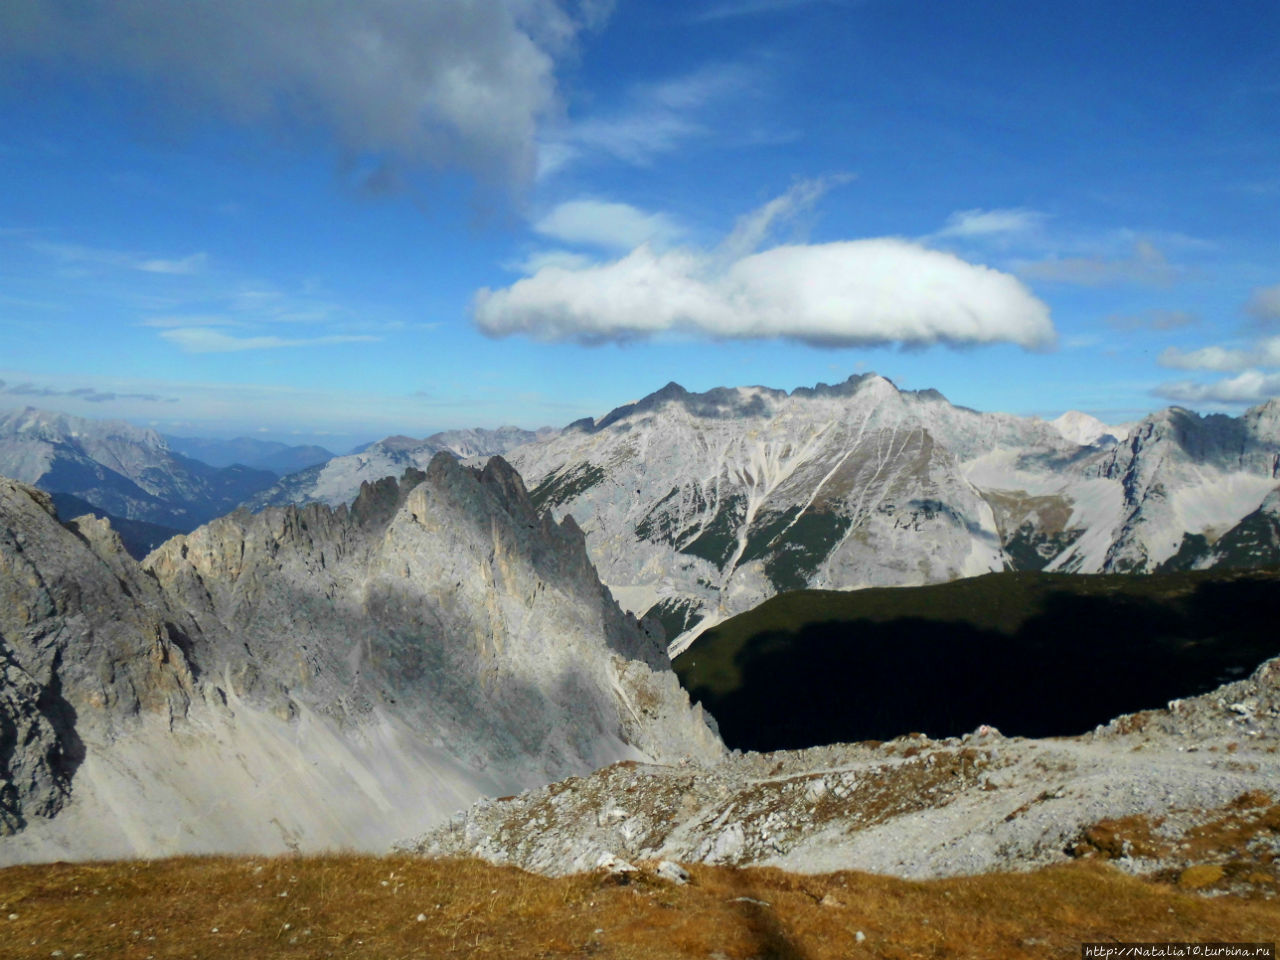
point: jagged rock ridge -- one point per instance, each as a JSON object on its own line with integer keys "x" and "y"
{"x": 312, "y": 677}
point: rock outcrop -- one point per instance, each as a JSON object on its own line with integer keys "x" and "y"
{"x": 309, "y": 677}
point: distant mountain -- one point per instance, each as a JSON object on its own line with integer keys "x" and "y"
{"x": 279, "y": 458}
{"x": 311, "y": 678}
{"x": 700, "y": 506}
{"x": 1086, "y": 430}
{"x": 121, "y": 469}
{"x": 338, "y": 480}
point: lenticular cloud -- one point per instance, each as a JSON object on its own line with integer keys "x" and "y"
{"x": 850, "y": 293}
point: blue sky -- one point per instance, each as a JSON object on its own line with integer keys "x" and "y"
{"x": 336, "y": 221}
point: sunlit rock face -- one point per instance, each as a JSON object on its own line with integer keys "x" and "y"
{"x": 310, "y": 678}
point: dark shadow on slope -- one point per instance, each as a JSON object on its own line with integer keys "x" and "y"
{"x": 771, "y": 938}
{"x": 1072, "y": 661}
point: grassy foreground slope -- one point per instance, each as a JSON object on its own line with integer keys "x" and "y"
{"x": 402, "y": 907}
{"x": 1033, "y": 654}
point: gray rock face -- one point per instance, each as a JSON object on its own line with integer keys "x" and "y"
{"x": 126, "y": 471}
{"x": 700, "y": 506}
{"x": 912, "y": 807}
{"x": 310, "y": 677}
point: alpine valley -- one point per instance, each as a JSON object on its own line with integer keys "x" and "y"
{"x": 397, "y": 633}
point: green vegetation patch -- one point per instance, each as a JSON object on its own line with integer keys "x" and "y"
{"x": 766, "y": 528}
{"x": 1031, "y": 549}
{"x": 810, "y": 540}
{"x": 564, "y": 485}
{"x": 719, "y": 537}
{"x": 662, "y": 524}
{"x": 1253, "y": 542}
{"x": 1193, "y": 549}
{"x": 676, "y": 614}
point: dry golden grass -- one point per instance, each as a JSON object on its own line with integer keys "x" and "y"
{"x": 359, "y": 906}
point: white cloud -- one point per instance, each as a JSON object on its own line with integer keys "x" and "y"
{"x": 981, "y": 223}
{"x": 1263, "y": 353}
{"x": 438, "y": 83}
{"x": 205, "y": 340}
{"x": 1264, "y": 305}
{"x": 612, "y": 226}
{"x": 1247, "y": 388}
{"x": 1146, "y": 265}
{"x": 859, "y": 292}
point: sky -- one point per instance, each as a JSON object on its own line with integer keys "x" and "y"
{"x": 328, "y": 221}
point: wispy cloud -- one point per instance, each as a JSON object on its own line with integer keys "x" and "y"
{"x": 1263, "y": 353}
{"x": 1154, "y": 320}
{"x": 1264, "y": 306}
{"x": 206, "y": 340}
{"x": 733, "y": 9}
{"x": 87, "y": 394}
{"x": 654, "y": 119}
{"x": 1146, "y": 265}
{"x": 754, "y": 228}
{"x": 120, "y": 259}
{"x": 987, "y": 223}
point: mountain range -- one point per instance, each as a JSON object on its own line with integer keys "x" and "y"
{"x": 700, "y": 506}
{"x": 271, "y": 455}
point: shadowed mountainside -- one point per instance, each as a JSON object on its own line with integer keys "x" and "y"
{"x": 1032, "y": 654}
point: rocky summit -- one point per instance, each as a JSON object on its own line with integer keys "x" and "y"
{"x": 311, "y": 677}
